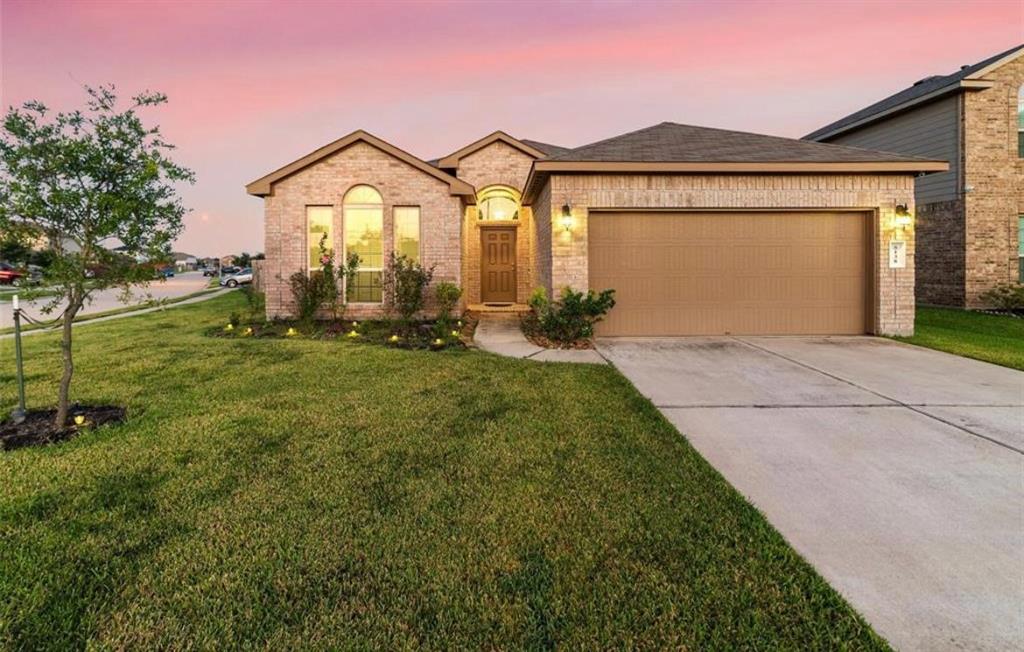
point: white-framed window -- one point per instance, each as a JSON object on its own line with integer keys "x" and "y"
{"x": 407, "y": 232}
{"x": 364, "y": 235}
{"x": 319, "y": 224}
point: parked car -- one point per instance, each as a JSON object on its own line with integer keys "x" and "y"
{"x": 241, "y": 277}
{"x": 229, "y": 270}
{"x": 165, "y": 272}
{"x": 9, "y": 275}
{"x": 210, "y": 271}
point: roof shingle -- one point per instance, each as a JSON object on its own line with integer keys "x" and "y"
{"x": 672, "y": 142}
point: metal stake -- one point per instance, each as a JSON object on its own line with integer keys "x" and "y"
{"x": 19, "y": 413}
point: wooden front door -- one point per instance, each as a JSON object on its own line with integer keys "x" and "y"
{"x": 498, "y": 265}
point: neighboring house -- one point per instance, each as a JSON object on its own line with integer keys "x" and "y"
{"x": 699, "y": 231}
{"x": 185, "y": 262}
{"x": 970, "y": 220}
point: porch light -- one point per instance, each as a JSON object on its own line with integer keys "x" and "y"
{"x": 566, "y": 220}
{"x": 903, "y": 219}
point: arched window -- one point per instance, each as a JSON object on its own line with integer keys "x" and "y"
{"x": 1020, "y": 122}
{"x": 498, "y": 203}
{"x": 364, "y": 235}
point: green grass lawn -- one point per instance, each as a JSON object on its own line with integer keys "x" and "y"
{"x": 318, "y": 494}
{"x": 992, "y": 338}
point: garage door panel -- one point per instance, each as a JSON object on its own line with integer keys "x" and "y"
{"x": 740, "y": 273}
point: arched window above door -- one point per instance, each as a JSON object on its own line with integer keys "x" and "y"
{"x": 498, "y": 203}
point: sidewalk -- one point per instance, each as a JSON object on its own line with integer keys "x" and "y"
{"x": 499, "y": 333}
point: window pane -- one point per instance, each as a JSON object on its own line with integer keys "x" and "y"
{"x": 498, "y": 208}
{"x": 366, "y": 287}
{"x": 363, "y": 230}
{"x": 319, "y": 221}
{"x": 362, "y": 195}
{"x": 407, "y": 232}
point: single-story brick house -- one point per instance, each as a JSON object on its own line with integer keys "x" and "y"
{"x": 699, "y": 231}
{"x": 970, "y": 219}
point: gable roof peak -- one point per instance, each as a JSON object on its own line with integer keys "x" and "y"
{"x": 451, "y": 161}
{"x": 263, "y": 186}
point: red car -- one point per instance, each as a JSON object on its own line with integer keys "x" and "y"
{"x": 9, "y": 275}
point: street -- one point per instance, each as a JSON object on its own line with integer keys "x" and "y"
{"x": 103, "y": 300}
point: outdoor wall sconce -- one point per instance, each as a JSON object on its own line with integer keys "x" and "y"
{"x": 903, "y": 219}
{"x": 566, "y": 220}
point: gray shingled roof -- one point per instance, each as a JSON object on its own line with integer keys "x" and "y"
{"x": 672, "y": 142}
{"x": 547, "y": 148}
{"x": 919, "y": 89}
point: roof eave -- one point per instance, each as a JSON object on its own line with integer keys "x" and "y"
{"x": 964, "y": 85}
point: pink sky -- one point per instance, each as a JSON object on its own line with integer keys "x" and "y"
{"x": 254, "y": 85}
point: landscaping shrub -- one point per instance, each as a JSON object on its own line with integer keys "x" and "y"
{"x": 1006, "y": 296}
{"x": 571, "y": 318}
{"x": 404, "y": 281}
{"x": 310, "y": 291}
{"x": 314, "y": 290}
{"x": 255, "y": 301}
{"x": 447, "y": 295}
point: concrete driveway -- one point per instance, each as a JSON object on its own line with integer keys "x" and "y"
{"x": 896, "y": 471}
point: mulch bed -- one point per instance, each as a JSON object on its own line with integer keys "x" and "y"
{"x": 537, "y": 339}
{"x": 38, "y": 428}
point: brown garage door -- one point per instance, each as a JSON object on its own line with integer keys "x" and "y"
{"x": 685, "y": 273}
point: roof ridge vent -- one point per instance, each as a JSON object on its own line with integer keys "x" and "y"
{"x": 930, "y": 78}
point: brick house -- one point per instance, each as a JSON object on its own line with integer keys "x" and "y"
{"x": 699, "y": 231}
{"x": 970, "y": 219}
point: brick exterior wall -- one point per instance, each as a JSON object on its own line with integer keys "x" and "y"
{"x": 996, "y": 173}
{"x": 497, "y": 163}
{"x": 894, "y": 289}
{"x": 325, "y": 183}
{"x": 941, "y": 246}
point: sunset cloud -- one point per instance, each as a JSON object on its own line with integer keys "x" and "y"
{"x": 254, "y": 85}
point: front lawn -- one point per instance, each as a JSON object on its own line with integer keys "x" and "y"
{"x": 285, "y": 494}
{"x": 993, "y": 338}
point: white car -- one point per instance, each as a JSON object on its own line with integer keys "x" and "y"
{"x": 240, "y": 277}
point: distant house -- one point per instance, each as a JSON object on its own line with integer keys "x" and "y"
{"x": 226, "y": 261}
{"x": 185, "y": 262}
{"x": 970, "y": 220}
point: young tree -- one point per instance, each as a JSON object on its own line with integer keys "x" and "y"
{"x": 89, "y": 180}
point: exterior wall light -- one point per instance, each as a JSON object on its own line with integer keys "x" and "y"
{"x": 903, "y": 219}
{"x": 566, "y": 220}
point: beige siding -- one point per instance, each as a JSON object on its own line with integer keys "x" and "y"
{"x": 930, "y": 131}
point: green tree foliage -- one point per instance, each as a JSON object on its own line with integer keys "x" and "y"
{"x": 89, "y": 180}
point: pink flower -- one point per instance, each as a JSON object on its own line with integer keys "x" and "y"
{"x": 325, "y": 259}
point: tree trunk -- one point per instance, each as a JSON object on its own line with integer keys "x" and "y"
{"x": 64, "y": 396}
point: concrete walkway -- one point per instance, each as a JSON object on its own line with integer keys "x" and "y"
{"x": 120, "y": 315}
{"x": 895, "y": 470}
{"x": 500, "y": 333}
